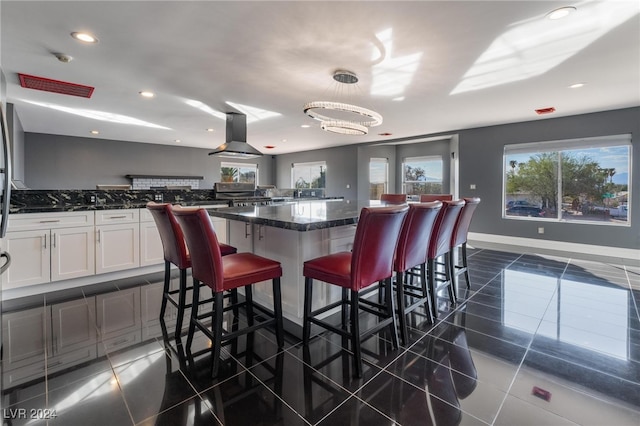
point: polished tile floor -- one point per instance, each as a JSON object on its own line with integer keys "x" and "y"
{"x": 537, "y": 340}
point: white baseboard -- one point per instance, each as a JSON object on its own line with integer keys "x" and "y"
{"x": 533, "y": 244}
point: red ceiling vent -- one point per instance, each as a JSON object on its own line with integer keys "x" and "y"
{"x": 55, "y": 86}
{"x": 542, "y": 111}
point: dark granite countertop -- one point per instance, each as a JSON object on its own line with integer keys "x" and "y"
{"x": 89, "y": 207}
{"x": 300, "y": 215}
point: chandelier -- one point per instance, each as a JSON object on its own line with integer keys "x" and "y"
{"x": 364, "y": 118}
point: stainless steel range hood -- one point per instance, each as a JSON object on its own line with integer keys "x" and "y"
{"x": 236, "y": 145}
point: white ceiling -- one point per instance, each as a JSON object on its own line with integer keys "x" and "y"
{"x": 279, "y": 55}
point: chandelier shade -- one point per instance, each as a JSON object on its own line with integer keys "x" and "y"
{"x": 363, "y": 117}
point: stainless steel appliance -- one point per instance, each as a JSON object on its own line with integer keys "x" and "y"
{"x": 5, "y": 196}
{"x": 239, "y": 194}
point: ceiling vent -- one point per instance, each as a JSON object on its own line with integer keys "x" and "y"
{"x": 55, "y": 86}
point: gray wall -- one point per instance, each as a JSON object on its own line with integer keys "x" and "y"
{"x": 481, "y": 153}
{"x": 341, "y": 169}
{"x": 64, "y": 162}
{"x": 53, "y": 162}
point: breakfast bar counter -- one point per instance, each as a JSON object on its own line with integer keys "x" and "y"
{"x": 292, "y": 233}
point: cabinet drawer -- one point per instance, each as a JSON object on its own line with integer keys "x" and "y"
{"x": 107, "y": 217}
{"x": 33, "y": 221}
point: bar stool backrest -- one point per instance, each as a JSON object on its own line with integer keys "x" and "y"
{"x": 206, "y": 259}
{"x": 415, "y": 235}
{"x": 440, "y": 242}
{"x": 394, "y": 198}
{"x": 173, "y": 244}
{"x": 425, "y": 198}
{"x": 461, "y": 229}
{"x": 375, "y": 244}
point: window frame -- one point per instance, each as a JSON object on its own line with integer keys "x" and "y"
{"x": 558, "y": 147}
{"x": 424, "y": 158}
{"x": 379, "y": 160}
{"x": 229, "y": 164}
{"x": 310, "y": 164}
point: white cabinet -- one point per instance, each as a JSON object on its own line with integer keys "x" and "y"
{"x": 241, "y": 236}
{"x": 118, "y": 319}
{"x": 49, "y": 247}
{"x": 117, "y": 240}
{"x": 72, "y": 253}
{"x": 151, "y": 252}
{"x": 60, "y": 335}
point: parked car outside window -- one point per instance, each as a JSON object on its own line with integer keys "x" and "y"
{"x": 530, "y": 211}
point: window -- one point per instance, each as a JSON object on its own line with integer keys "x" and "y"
{"x": 579, "y": 180}
{"x": 239, "y": 172}
{"x": 378, "y": 177}
{"x": 422, "y": 175}
{"x": 308, "y": 175}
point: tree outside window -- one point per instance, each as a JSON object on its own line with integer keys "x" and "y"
{"x": 569, "y": 183}
{"x": 308, "y": 175}
{"x": 422, "y": 175}
{"x": 239, "y": 172}
{"x": 378, "y": 177}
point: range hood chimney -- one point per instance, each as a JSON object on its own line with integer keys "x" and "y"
{"x": 236, "y": 145}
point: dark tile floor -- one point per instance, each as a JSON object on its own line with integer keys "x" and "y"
{"x": 537, "y": 340}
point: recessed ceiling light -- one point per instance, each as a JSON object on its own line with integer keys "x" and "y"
{"x": 95, "y": 132}
{"x": 284, "y": 140}
{"x": 385, "y": 134}
{"x": 398, "y": 99}
{"x": 177, "y": 141}
{"x": 209, "y": 129}
{"x": 84, "y": 37}
{"x": 561, "y": 12}
{"x": 305, "y": 126}
{"x": 269, "y": 146}
{"x": 576, "y": 85}
{"x": 147, "y": 94}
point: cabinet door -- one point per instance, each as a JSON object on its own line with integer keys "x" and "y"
{"x": 151, "y": 252}
{"x": 72, "y": 253}
{"x": 220, "y": 226}
{"x": 24, "y": 345}
{"x": 241, "y": 236}
{"x": 30, "y": 258}
{"x": 117, "y": 247}
{"x": 118, "y": 319}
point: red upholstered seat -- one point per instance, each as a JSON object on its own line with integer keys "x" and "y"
{"x": 459, "y": 238}
{"x": 220, "y": 273}
{"x": 440, "y": 245}
{"x": 394, "y": 198}
{"x": 425, "y": 198}
{"x": 412, "y": 252}
{"x": 175, "y": 252}
{"x": 370, "y": 261}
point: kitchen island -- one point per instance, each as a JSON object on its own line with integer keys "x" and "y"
{"x": 292, "y": 233}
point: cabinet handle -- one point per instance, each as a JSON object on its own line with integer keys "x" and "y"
{"x": 98, "y": 235}
{"x": 53, "y": 240}
{"x": 246, "y": 230}
{"x": 118, "y": 217}
{"x": 45, "y": 241}
{"x": 260, "y": 236}
{"x": 50, "y": 221}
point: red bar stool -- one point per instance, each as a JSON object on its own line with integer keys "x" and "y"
{"x": 412, "y": 252}
{"x": 426, "y": 198}
{"x": 394, "y": 198}
{"x": 440, "y": 245}
{"x": 370, "y": 261}
{"x": 459, "y": 238}
{"x": 175, "y": 252}
{"x": 230, "y": 272}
